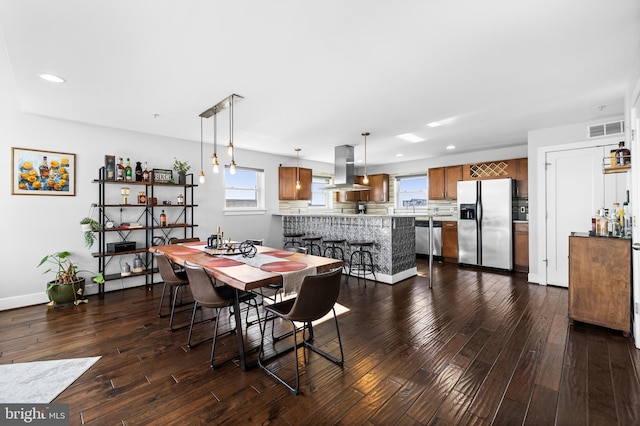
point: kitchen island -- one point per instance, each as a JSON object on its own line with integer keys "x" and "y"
{"x": 393, "y": 235}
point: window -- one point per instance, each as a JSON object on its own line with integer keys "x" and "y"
{"x": 320, "y": 199}
{"x": 244, "y": 190}
{"x": 411, "y": 192}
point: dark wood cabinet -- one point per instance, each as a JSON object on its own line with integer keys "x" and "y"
{"x": 379, "y": 191}
{"x": 443, "y": 182}
{"x": 450, "y": 241}
{"x": 600, "y": 281}
{"x": 287, "y": 177}
{"x": 521, "y": 247}
{"x": 522, "y": 177}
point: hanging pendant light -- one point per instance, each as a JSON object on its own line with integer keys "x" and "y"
{"x": 201, "y": 146}
{"x": 365, "y": 180}
{"x": 298, "y": 186}
{"x": 232, "y": 166}
{"x": 214, "y": 159}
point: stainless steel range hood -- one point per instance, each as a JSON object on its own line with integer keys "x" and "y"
{"x": 344, "y": 179}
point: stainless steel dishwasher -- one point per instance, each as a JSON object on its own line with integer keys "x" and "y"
{"x": 422, "y": 238}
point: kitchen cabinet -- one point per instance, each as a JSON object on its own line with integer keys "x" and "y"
{"x": 287, "y": 177}
{"x": 521, "y": 168}
{"x": 521, "y": 247}
{"x": 450, "y": 241}
{"x": 600, "y": 281}
{"x": 379, "y": 191}
{"x": 443, "y": 182}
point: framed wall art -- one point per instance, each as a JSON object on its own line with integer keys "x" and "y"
{"x": 36, "y": 172}
{"x": 162, "y": 175}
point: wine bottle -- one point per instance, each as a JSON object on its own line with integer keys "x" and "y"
{"x": 120, "y": 170}
{"x": 128, "y": 172}
{"x": 138, "y": 171}
{"x": 163, "y": 219}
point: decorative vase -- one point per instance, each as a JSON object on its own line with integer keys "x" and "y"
{"x": 85, "y": 227}
{"x": 182, "y": 179}
{"x": 65, "y": 293}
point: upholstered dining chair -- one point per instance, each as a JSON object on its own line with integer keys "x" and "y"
{"x": 316, "y": 298}
{"x": 173, "y": 280}
{"x": 174, "y": 240}
{"x": 206, "y": 295}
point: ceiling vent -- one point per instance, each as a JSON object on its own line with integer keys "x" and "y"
{"x": 605, "y": 129}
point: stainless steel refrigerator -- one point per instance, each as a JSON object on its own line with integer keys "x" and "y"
{"x": 484, "y": 224}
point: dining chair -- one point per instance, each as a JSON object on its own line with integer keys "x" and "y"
{"x": 172, "y": 279}
{"x": 316, "y": 298}
{"x": 174, "y": 240}
{"x": 206, "y": 295}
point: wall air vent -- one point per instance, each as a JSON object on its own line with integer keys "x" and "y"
{"x": 605, "y": 129}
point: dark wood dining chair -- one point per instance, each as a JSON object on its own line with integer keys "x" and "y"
{"x": 207, "y": 295}
{"x": 278, "y": 288}
{"x": 316, "y": 298}
{"x": 174, "y": 240}
{"x": 174, "y": 281}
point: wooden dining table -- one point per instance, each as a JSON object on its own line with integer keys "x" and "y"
{"x": 231, "y": 270}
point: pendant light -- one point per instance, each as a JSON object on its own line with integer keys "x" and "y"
{"x": 365, "y": 180}
{"x": 201, "y": 146}
{"x": 214, "y": 160}
{"x": 232, "y": 166}
{"x": 298, "y": 186}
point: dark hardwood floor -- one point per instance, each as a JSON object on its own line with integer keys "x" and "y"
{"x": 479, "y": 348}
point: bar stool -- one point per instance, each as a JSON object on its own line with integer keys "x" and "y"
{"x": 363, "y": 258}
{"x": 291, "y": 239}
{"x": 334, "y": 248}
{"x": 312, "y": 242}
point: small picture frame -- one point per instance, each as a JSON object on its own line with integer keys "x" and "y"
{"x": 162, "y": 175}
{"x": 37, "y": 172}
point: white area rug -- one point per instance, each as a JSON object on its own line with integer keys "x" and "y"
{"x": 40, "y": 382}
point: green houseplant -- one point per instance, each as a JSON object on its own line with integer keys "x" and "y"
{"x": 182, "y": 167}
{"x": 67, "y": 286}
{"x": 89, "y": 225}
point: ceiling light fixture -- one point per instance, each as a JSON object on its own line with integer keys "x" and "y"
{"x": 410, "y": 137}
{"x": 213, "y": 112}
{"x": 52, "y": 78}
{"x": 365, "y": 180}
{"x": 232, "y": 166}
{"x": 298, "y": 186}
{"x": 201, "y": 145}
{"x": 214, "y": 158}
{"x": 451, "y": 147}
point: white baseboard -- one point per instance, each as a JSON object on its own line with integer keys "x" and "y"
{"x": 22, "y": 301}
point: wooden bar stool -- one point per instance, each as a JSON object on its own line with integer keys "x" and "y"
{"x": 291, "y": 239}
{"x": 312, "y": 243}
{"x": 361, "y": 260}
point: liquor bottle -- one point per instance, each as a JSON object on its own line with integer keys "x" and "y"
{"x": 120, "y": 170}
{"x": 163, "y": 219}
{"x": 128, "y": 172}
{"x": 44, "y": 168}
{"x": 138, "y": 171}
{"x": 111, "y": 167}
{"x": 623, "y": 155}
{"x": 145, "y": 173}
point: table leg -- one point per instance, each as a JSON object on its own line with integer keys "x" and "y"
{"x": 239, "y": 334}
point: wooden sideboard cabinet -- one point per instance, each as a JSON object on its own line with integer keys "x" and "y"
{"x": 521, "y": 247}
{"x": 600, "y": 281}
{"x": 450, "y": 241}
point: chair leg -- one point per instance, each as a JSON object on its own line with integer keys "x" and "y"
{"x": 295, "y": 389}
{"x": 215, "y": 335}
{"x": 193, "y": 317}
{"x": 164, "y": 288}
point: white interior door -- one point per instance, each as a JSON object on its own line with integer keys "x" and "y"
{"x": 574, "y": 191}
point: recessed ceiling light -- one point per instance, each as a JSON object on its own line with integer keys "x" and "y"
{"x": 451, "y": 147}
{"x": 411, "y": 137}
{"x": 52, "y": 78}
{"x": 399, "y": 155}
{"x": 442, "y": 122}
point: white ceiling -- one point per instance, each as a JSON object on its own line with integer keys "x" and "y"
{"x": 316, "y": 74}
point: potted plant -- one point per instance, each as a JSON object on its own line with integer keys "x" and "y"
{"x": 67, "y": 286}
{"x": 88, "y": 226}
{"x": 182, "y": 167}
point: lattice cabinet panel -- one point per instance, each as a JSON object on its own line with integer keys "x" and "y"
{"x": 491, "y": 170}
